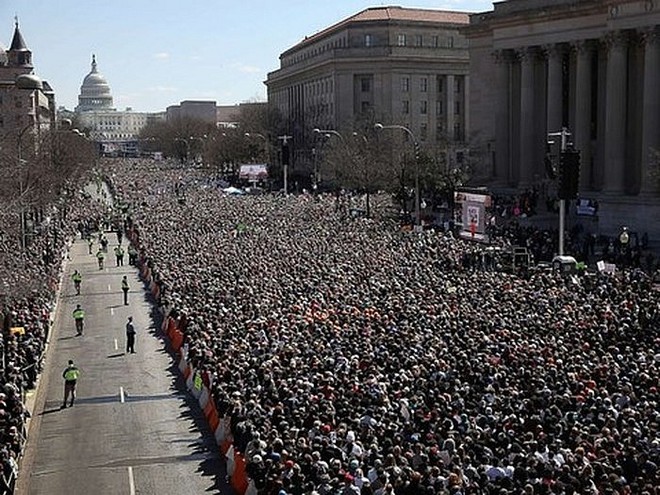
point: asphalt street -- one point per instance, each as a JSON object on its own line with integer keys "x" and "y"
{"x": 133, "y": 429}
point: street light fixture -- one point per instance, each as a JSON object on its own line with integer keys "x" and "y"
{"x": 379, "y": 127}
{"x": 265, "y": 140}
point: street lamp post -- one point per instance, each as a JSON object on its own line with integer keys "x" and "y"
{"x": 378, "y": 126}
{"x": 266, "y": 144}
{"x": 331, "y": 132}
{"x": 285, "y": 160}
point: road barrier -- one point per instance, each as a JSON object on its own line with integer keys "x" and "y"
{"x": 198, "y": 383}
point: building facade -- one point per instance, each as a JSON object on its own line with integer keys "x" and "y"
{"x": 114, "y": 130}
{"x": 204, "y": 110}
{"x": 390, "y": 64}
{"x": 23, "y": 106}
{"x": 592, "y": 66}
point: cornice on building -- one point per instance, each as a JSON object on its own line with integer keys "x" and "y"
{"x": 380, "y": 15}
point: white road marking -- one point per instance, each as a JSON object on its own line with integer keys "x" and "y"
{"x": 109, "y": 289}
{"x": 131, "y": 481}
{"x": 116, "y": 345}
{"x": 121, "y": 394}
{"x": 112, "y": 311}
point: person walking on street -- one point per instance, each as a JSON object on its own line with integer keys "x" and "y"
{"x": 100, "y": 256}
{"x": 71, "y": 374}
{"x": 119, "y": 254}
{"x": 130, "y": 336}
{"x": 77, "y": 280}
{"x": 125, "y": 288}
{"x": 79, "y": 318}
{"x": 90, "y": 243}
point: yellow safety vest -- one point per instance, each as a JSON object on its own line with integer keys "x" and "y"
{"x": 71, "y": 374}
{"x": 198, "y": 382}
{"x": 78, "y": 314}
{"x": 77, "y": 277}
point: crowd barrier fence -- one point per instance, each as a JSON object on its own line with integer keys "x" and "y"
{"x": 197, "y": 384}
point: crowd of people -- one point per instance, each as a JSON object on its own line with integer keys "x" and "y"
{"x": 354, "y": 358}
{"x": 31, "y": 263}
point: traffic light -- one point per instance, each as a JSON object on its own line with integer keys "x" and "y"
{"x": 569, "y": 174}
{"x": 285, "y": 153}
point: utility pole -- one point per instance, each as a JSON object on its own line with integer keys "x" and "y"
{"x": 285, "y": 160}
{"x": 564, "y": 134}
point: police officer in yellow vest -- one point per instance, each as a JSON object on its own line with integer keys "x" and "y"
{"x": 119, "y": 255}
{"x": 71, "y": 374}
{"x": 77, "y": 280}
{"x": 100, "y": 256}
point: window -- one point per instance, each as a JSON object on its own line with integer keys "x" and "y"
{"x": 439, "y": 132}
{"x": 450, "y": 42}
{"x": 405, "y": 84}
{"x": 405, "y": 107}
{"x": 457, "y": 110}
{"x": 457, "y": 84}
{"x": 458, "y": 132}
{"x": 368, "y": 40}
{"x": 365, "y": 84}
{"x": 423, "y": 132}
{"x": 418, "y": 40}
{"x": 423, "y": 107}
{"x": 365, "y": 106}
{"x": 423, "y": 84}
{"x": 440, "y": 81}
{"x": 401, "y": 40}
{"x": 435, "y": 41}
{"x": 439, "y": 108}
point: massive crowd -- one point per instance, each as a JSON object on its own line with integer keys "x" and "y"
{"x": 353, "y": 358}
{"x": 28, "y": 287}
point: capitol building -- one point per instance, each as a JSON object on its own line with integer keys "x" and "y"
{"x": 116, "y": 131}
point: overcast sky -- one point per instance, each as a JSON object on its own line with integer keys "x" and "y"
{"x": 155, "y": 53}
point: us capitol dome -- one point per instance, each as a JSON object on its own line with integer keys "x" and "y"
{"x": 94, "y": 92}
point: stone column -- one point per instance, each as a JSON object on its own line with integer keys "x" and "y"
{"x": 615, "y": 104}
{"x": 527, "y": 57}
{"x": 451, "y": 106}
{"x": 554, "y": 54}
{"x": 582, "y": 132}
{"x": 651, "y": 108}
{"x": 502, "y": 114}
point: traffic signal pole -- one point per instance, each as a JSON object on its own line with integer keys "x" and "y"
{"x": 564, "y": 134}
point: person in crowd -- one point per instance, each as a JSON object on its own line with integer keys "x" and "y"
{"x": 349, "y": 357}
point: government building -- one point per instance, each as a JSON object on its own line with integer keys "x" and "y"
{"x": 393, "y": 65}
{"x": 115, "y": 131}
{"x": 591, "y": 66}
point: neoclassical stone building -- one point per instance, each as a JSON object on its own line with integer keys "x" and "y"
{"x": 397, "y": 65}
{"x": 114, "y": 130}
{"x": 590, "y": 65}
